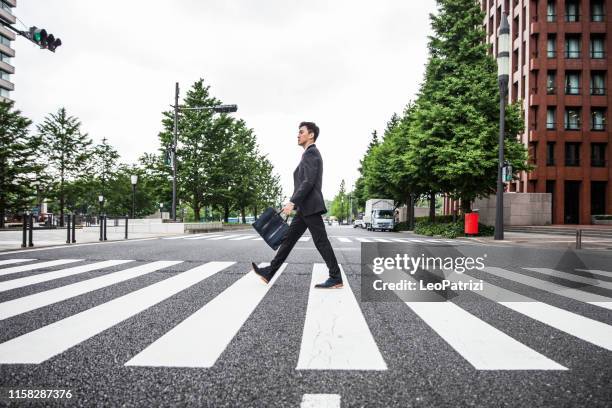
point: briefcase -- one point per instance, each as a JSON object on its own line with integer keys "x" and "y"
{"x": 271, "y": 227}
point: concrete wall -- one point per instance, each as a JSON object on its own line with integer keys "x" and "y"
{"x": 418, "y": 212}
{"x": 519, "y": 209}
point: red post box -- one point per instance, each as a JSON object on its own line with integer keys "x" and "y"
{"x": 471, "y": 223}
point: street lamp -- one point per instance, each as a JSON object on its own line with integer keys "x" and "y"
{"x": 503, "y": 75}
{"x": 161, "y": 207}
{"x": 101, "y": 200}
{"x": 217, "y": 108}
{"x": 134, "y": 180}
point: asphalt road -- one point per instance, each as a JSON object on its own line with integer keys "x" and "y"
{"x": 185, "y": 323}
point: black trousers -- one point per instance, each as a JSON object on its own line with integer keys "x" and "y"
{"x": 315, "y": 225}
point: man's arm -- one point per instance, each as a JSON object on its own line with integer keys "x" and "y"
{"x": 311, "y": 167}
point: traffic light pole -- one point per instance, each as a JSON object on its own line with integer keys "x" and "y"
{"x": 174, "y": 144}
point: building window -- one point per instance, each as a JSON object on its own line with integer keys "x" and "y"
{"x": 5, "y": 75}
{"x": 598, "y": 83}
{"x": 598, "y": 154}
{"x": 550, "y": 117}
{"x": 572, "y": 83}
{"x": 597, "y": 10}
{"x": 572, "y": 154}
{"x": 532, "y": 152}
{"x": 551, "y": 14}
{"x": 572, "y": 13}
{"x": 598, "y": 47}
{"x": 572, "y": 118}
{"x": 572, "y": 46}
{"x": 5, "y": 41}
{"x": 551, "y": 46}
{"x": 551, "y": 82}
{"x": 5, "y": 58}
{"x": 6, "y": 7}
{"x": 598, "y": 119}
{"x": 550, "y": 153}
{"x": 4, "y": 93}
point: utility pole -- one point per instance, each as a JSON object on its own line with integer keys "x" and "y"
{"x": 174, "y": 144}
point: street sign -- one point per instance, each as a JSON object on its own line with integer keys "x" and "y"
{"x": 507, "y": 173}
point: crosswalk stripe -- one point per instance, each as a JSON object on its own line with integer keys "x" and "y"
{"x": 417, "y": 240}
{"x": 569, "y": 276}
{"x": 29, "y": 267}
{"x": 381, "y": 240}
{"x": 61, "y": 273}
{"x": 205, "y": 236}
{"x": 342, "y": 239}
{"x": 320, "y": 401}
{"x": 584, "y": 328}
{"x": 551, "y": 287}
{"x": 39, "y": 345}
{"x": 37, "y": 300}
{"x": 336, "y": 335}
{"x": 225, "y": 237}
{"x": 14, "y": 261}
{"x": 258, "y": 239}
{"x": 363, "y": 240}
{"x": 596, "y": 272}
{"x": 242, "y": 238}
{"x": 304, "y": 239}
{"x": 199, "y": 340}
{"x": 401, "y": 239}
{"x": 482, "y": 345}
{"x": 185, "y": 236}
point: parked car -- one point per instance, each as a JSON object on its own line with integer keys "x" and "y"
{"x": 358, "y": 223}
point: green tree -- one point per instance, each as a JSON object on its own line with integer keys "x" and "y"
{"x": 17, "y": 161}
{"x": 65, "y": 148}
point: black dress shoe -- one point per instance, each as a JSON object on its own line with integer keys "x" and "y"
{"x": 263, "y": 273}
{"x": 330, "y": 283}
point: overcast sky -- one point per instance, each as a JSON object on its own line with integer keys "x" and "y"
{"x": 346, "y": 65}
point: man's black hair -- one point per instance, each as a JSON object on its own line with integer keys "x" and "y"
{"x": 312, "y": 128}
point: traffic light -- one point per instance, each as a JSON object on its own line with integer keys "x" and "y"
{"x": 40, "y": 37}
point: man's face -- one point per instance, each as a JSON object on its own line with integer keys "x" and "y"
{"x": 304, "y": 136}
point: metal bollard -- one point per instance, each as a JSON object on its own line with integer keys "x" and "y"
{"x": 67, "y": 228}
{"x": 25, "y": 230}
{"x": 74, "y": 228}
{"x": 578, "y": 239}
{"x": 105, "y": 222}
{"x": 100, "y": 217}
{"x": 31, "y": 239}
{"x": 126, "y": 227}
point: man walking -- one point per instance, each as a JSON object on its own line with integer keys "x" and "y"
{"x": 307, "y": 200}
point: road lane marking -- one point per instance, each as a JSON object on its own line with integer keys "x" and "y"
{"x": 40, "y": 265}
{"x": 204, "y": 236}
{"x": 61, "y": 273}
{"x": 551, "y": 287}
{"x": 336, "y": 335}
{"x": 37, "y": 300}
{"x": 363, "y": 239}
{"x": 199, "y": 340}
{"x": 597, "y": 272}
{"x": 320, "y": 401}
{"x": 39, "y": 345}
{"x": 225, "y": 237}
{"x": 569, "y": 276}
{"x": 304, "y": 239}
{"x": 242, "y": 238}
{"x": 185, "y": 236}
{"x": 14, "y": 261}
{"x": 582, "y": 327}
{"x": 342, "y": 239}
{"x": 258, "y": 239}
{"x": 381, "y": 240}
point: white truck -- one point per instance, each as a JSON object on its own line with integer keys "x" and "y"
{"x": 379, "y": 214}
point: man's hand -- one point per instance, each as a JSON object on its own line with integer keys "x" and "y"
{"x": 288, "y": 208}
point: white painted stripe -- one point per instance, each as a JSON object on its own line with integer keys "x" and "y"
{"x": 482, "y": 345}
{"x": 400, "y": 239}
{"x": 320, "y": 401}
{"x": 199, "y": 340}
{"x": 40, "y": 265}
{"x": 258, "y": 239}
{"x": 551, "y": 287}
{"x": 342, "y": 239}
{"x": 596, "y": 272}
{"x": 336, "y": 335}
{"x": 225, "y": 237}
{"x": 48, "y": 341}
{"x": 14, "y": 261}
{"x": 242, "y": 238}
{"x": 572, "y": 277}
{"x": 61, "y": 273}
{"x": 590, "y": 330}
{"x": 185, "y": 236}
{"x": 432, "y": 241}
{"x": 304, "y": 239}
{"x": 418, "y": 240}
{"x": 37, "y": 300}
{"x": 205, "y": 236}
{"x": 381, "y": 240}
{"x": 363, "y": 239}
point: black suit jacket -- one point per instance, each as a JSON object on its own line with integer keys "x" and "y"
{"x": 307, "y": 181}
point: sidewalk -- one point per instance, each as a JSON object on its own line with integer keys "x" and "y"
{"x": 547, "y": 240}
